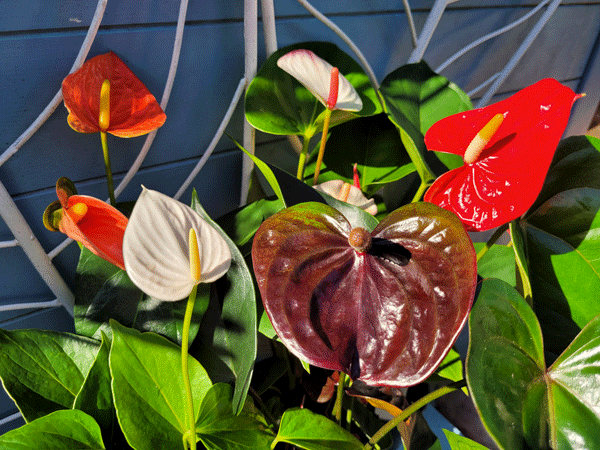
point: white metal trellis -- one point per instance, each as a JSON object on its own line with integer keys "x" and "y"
{"x": 23, "y": 236}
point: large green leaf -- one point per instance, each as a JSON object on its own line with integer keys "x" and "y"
{"x": 219, "y": 428}
{"x": 43, "y": 371}
{"x": 416, "y": 98}
{"x": 504, "y": 360}
{"x": 458, "y": 442}
{"x": 373, "y": 144}
{"x": 95, "y": 396}
{"x": 228, "y": 333}
{"x": 563, "y": 239}
{"x": 104, "y": 292}
{"x": 498, "y": 262}
{"x": 563, "y": 243}
{"x": 277, "y": 103}
{"x": 310, "y": 431}
{"x": 148, "y": 388}
{"x": 67, "y": 429}
{"x": 521, "y": 403}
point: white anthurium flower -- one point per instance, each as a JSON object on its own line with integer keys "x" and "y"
{"x": 347, "y": 193}
{"x": 156, "y": 247}
{"x": 314, "y": 73}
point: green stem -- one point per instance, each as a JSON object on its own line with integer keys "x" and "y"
{"x": 326, "y": 121}
{"x": 492, "y": 240}
{"x": 185, "y": 338}
{"x": 302, "y": 158}
{"x": 412, "y": 409}
{"x": 422, "y": 188}
{"x": 337, "y": 407}
{"x": 111, "y": 189}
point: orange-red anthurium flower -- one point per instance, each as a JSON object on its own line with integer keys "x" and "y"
{"x": 133, "y": 109}
{"x": 95, "y": 224}
{"x": 507, "y": 149}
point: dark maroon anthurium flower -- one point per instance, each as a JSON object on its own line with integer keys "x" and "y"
{"x": 382, "y": 306}
{"x": 507, "y": 148}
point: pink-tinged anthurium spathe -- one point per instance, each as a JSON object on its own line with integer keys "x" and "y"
{"x": 315, "y": 74}
{"x": 507, "y": 149}
{"x": 95, "y": 224}
{"x": 160, "y": 256}
{"x": 347, "y": 193}
{"x": 133, "y": 110}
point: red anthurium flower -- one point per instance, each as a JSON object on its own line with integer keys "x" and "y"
{"x": 95, "y": 224}
{"x": 507, "y": 148}
{"x": 133, "y": 109}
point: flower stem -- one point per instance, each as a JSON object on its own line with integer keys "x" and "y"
{"x": 302, "y": 158}
{"x": 111, "y": 189}
{"x": 185, "y": 338}
{"x": 492, "y": 240}
{"x": 412, "y": 409}
{"x": 337, "y": 407}
{"x": 422, "y": 188}
{"x": 326, "y": 121}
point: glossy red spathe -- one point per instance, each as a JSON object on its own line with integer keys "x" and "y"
{"x": 505, "y": 179}
{"x": 133, "y": 109}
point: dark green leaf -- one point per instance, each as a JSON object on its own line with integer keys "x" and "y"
{"x": 69, "y": 429}
{"x": 43, "y": 371}
{"x": 504, "y": 360}
{"x": 228, "y": 334}
{"x": 498, "y": 262}
{"x": 277, "y": 103}
{"x": 240, "y": 225}
{"x": 522, "y": 404}
{"x": 416, "y": 98}
{"x": 104, "y": 292}
{"x": 563, "y": 244}
{"x": 371, "y": 142}
{"x": 95, "y": 396}
{"x": 310, "y": 431}
{"x": 219, "y": 428}
{"x": 148, "y": 388}
{"x": 458, "y": 442}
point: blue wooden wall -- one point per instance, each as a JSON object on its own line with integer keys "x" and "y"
{"x": 39, "y": 42}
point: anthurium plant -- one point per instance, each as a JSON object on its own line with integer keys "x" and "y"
{"x": 326, "y": 314}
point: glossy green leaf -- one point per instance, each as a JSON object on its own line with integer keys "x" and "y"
{"x": 277, "y": 103}
{"x": 522, "y": 404}
{"x": 458, "y": 442}
{"x": 67, "y": 429}
{"x": 95, "y": 396}
{"x": 148, "y": 388}
{"x": 562, "y": 232}
{"x": 219, "y": 428}
{"x": 416, "y": 98}
{"x": 451, "y": 368}
{"x": 104, "y": 292}
{"x": 43, "y": 371}
{"x": 563, "y": 243}
{"x": 498, "y": 262}
{"x": 576, "y": 164}
{"x": 373, "y": 144}
{"x": 310, "y": 431}
{"x": 503, "y": 361}
{"x": 240, "y": 225}
{"x": 228, "y": 335}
